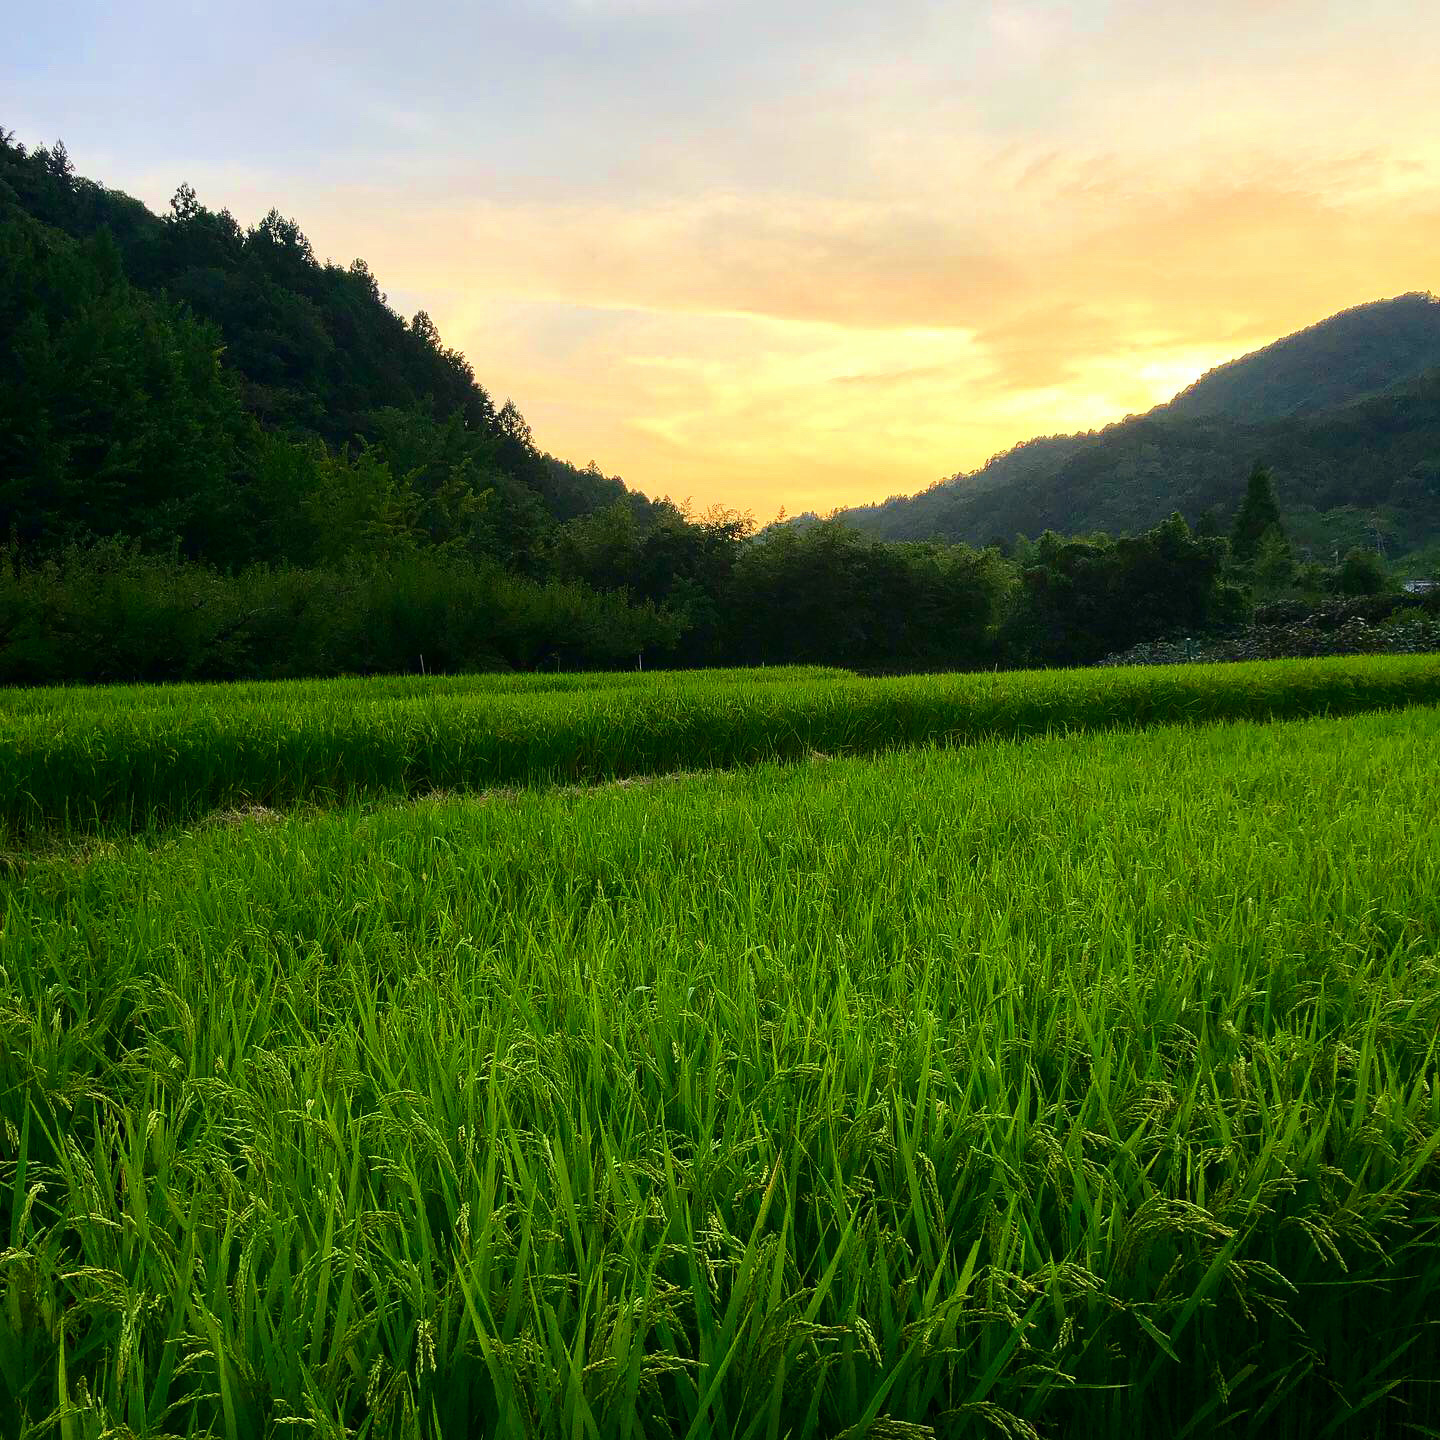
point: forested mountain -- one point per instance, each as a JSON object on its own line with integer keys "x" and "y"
{"x": 189, "y": 376}
{"x": 1346, "y": 414}
{"x": 1351, "y": 356}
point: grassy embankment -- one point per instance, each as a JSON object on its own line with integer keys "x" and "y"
{"x": 1087, "y": 1084}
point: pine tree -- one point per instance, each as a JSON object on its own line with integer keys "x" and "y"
{"x": 1258, "y": 513}
{"x": 1274, "y": 565}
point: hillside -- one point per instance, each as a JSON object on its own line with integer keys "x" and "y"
{"x": 1346, "y": 413}
{"x": 99, "y": 295}
{"x": 1350, "y": 356}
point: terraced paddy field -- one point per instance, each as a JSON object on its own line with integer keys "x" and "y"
{"x": 131, "y": 758}
{"x": 1068, "y": 1084}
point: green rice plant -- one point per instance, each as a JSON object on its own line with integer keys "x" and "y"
{"x": 112, "y": 767}
{"x": 1081, "y": 1086}
{"x": 61, "y": 701}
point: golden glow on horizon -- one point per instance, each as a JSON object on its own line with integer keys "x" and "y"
{"x": 758, "y": 386}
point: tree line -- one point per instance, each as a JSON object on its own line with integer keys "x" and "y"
{"x": 222, "y": 457}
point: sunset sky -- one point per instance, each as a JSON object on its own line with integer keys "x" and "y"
{"x": 802, "y": 252}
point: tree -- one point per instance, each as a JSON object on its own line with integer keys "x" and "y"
{"x": 829, "y": 595}
{"x": 1362, "y": 573}
{"x": 360, "y": 272}
{"x": 117, "y": 417}
{"x": 281, "y": 241}
{"x": 1258, "y": 512}
{"x": 1083, "y": 599}
{"x": 356, "y": 509}
{"x": 1207, "y": 527}
{"x": 1274, "y": 566}
{"x": 513, "y": 425}
{"x": 184, "y": 206}
{"x": 56, "y": 162}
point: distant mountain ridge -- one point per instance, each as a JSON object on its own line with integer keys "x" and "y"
{"x": 1346, "y": 412}
{"x": 1353, "y": 355}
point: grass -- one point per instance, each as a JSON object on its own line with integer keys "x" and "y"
{"x": 66, "y": 701}
{"x": 1081, "y": 1086}
{"x": 108, "y": 763}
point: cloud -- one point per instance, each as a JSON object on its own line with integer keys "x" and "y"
{"x": 623, "y": 9}
{"x": 803, "y": 253}
{"x": 882, "y": 367}
{"x": 1026, "y": 30}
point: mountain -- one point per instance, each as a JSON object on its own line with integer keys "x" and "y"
{"x": 1350, "y": 356}
{"x": 1346, "y": 414}
{"x": 184, "y": 379}
{"x": 187, "y": 376}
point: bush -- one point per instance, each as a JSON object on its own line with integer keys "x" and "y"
{"x": 1416, "y": 633}
{"x": 111, "y": 614}
{"x": 1363, "y": 573}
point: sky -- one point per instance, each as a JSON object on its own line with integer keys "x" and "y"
{"x": 791, "y": 253}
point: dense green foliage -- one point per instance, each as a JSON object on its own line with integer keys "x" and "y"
{"x": 1082, "y": 1086}
{"x": 1348, "y": 463}
{"x": 79, "y": 759}
{"x": 673, "y": 592}
{"x": 112, "y": 616}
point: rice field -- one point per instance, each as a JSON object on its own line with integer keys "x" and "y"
{"x": 1048, "y": 1084}
{"x": 134, "y": 759}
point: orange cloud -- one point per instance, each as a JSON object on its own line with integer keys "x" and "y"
{"x": 832, "y": 344}
{"x": 749, "y": 364}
